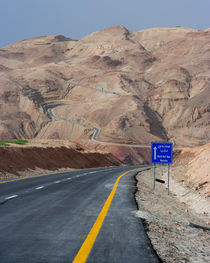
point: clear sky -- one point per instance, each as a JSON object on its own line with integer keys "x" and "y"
{"x": 22, "y": 19}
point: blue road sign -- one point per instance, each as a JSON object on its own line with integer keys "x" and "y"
{"x": 161, "y": 152}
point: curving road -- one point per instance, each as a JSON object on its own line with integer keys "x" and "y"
{"x": 96, "y": 133}
{"x": 47, "y": 219}
{"x": 96, "y": 130}
{"x": 49, "y": 106}
{"x": 88, "y": 87}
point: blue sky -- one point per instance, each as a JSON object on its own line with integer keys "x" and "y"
{"x": 21, "y": 19}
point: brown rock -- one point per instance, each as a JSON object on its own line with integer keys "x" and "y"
{"x": 137, "y": 87}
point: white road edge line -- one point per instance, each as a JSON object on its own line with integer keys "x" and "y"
{"x": 57, "y": 182}
{"x": 11, "y": 197}
{"x": 40, "y": 187}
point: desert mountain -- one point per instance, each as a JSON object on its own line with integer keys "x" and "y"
{"x": 122, "y": 86}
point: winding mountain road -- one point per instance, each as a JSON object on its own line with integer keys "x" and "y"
{"x": 49, "y": 107}
{"x": 96, "y": 131}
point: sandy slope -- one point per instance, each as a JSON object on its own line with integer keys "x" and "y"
{"x": 138, "y": 87}
{"x": 196, "y": 161}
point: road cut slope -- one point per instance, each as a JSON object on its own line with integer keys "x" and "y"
{"x": 22, "y": 160}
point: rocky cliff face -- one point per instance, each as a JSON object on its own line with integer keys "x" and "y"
{"x": 136, "y": 87}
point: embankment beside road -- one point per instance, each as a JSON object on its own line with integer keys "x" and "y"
{"x": 16, "y": 160}
{"x": 167, "y": 218}
{"x": 192, "y": 166}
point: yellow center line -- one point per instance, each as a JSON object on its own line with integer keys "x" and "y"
{"x": 86, "y": 247}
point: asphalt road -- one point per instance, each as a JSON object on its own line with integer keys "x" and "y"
{"x": 47, "y": 219}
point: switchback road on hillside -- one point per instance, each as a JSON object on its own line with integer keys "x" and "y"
{"x": 94, "y": 137}
{"x": 50, "y": 105}
{"x": 79, "y": 216}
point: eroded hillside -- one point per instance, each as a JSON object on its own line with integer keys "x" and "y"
{"x": 123, "y": 86}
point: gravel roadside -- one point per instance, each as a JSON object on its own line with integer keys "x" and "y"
{"x": 166, "y": 219}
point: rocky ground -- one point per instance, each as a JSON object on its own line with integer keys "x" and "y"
{"x": 167, "y": 218}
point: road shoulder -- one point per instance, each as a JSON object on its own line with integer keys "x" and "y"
{"x": 166, "y": 219}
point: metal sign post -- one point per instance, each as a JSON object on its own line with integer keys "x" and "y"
{"x": 154, "y": 177}
{"x": 168, "y": 178}
{"x": 161, "y": 152}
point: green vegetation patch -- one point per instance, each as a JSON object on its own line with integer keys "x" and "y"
{"x": 3, "y": 143}
{"x": 45, "y": 143}
{"x": 8, "y": 142}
